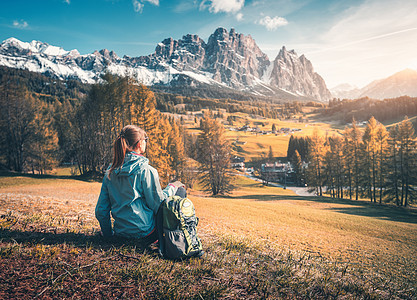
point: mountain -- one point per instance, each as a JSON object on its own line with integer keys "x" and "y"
{"x": 228, "y": 61}
{"x": 345, "y": 91}
{"x": 403, "y": 83}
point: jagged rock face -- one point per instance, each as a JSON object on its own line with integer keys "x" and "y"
{"x": 296, "y": 74}
{"x": 185, "y": 54}
{"x": 234, "y": 58}
{"x": 228, "y": 59}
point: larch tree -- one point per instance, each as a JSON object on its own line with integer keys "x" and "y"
{"x": 407, "y": 153}
{"x": 316, "y": 154}
{"x": 370, "y": 152}
{"x": 214, "y": 157}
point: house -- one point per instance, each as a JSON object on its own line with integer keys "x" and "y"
{"x": 238, "y": 163}
{"x": 277, "y": 171}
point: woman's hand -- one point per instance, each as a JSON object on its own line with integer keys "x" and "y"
{"x": 177, "y": 184}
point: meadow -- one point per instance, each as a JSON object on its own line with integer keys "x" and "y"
{"x": 260, "y": 243}
{"x": 252, "y": 145}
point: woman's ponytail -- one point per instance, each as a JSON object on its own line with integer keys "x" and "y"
{"x": 125, "y": 142}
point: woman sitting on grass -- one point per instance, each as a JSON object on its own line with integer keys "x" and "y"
{"x": 131, "y": 190}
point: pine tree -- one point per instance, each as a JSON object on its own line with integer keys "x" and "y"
{"x": 270, "y": 155}
{"x": 297, "y": 165}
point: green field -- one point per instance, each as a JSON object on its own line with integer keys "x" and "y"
{"x": 260, "y": 242}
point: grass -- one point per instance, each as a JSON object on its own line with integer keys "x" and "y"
{"x": 260, "y": 243}
{"x": 256, "y": 144}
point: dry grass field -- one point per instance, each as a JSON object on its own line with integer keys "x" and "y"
{"x": 260, "y": 242}
{"x": 251, "y": 145}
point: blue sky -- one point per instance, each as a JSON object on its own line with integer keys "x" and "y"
{"x": 352, "y": 42}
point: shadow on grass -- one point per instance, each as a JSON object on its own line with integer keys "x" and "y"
{"x": 88, "y": 177}
{"x": 78, "y": 240}
{"x": 358, "y": 208}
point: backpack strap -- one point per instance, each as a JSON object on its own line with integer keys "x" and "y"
{"x": 190, "y": 243}
{"x": 160, "y": 227}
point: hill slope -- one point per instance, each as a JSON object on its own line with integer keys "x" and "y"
{"x": 270, "y": 244}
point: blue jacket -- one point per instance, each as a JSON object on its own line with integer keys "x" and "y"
{"x": 132, "y": 194}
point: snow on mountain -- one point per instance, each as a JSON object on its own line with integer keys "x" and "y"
{"x": 345, "y": 91}
{"x": 228, "y": 59}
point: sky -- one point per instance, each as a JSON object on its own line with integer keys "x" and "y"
{"x": 355, "y": 41}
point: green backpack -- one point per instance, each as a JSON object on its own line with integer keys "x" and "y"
{"x": 177, "y": 229}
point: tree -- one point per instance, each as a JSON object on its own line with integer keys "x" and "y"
{"x": 176, "y": 150}
{"x": 270, "y": 155}
{"x": 42, "y": 150}
{"x": 334, "y": 166}
{"x": 214, "y": 157}
{"x": 297, "y": 165}
{"x": 407, "y": 153}
{"x": 382, "y": 142}
{"x": 112, "y": 104}
{"x": 317, "y": 150}
{"x": 352, "y": 151}
{"x": 370, "y": 152}
{"x": 17, "y": 127}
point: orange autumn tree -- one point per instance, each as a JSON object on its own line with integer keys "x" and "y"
{"x": 113, "y": 104}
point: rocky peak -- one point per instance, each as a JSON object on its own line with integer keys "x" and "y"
{"x": 109, "y": 55}
{"x": 293, "y": 73}
{"x": 229, "y": 59}
{"x": 234, "y": 58}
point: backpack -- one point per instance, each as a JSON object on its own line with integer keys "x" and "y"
{"x": 176, "y": 223}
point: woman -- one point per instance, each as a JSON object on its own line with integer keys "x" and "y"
{"x": 131, "y": 190}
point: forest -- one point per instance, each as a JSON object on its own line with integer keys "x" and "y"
{"x": 375, "y": 163}
{"x": 46, "y": 123}
{"x": 364, "y": 108}
{"x": 38, "y": 135}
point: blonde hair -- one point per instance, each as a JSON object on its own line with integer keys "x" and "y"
{"x": 126, "y": 142}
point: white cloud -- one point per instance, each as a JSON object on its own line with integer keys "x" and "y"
{"x": 67, "y": 1}
{"x": 137, "y": 6}
{"x": 272, "y": 23}
{"x": 239, "y": 16}
{"x": 216, "y": 6}
{"x": 20, "y": 24}
{"x": 154, "y": 2}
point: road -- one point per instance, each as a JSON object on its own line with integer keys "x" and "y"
{"x": 300, "y": 191}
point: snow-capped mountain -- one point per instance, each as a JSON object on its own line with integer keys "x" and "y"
{"x": 228, "y": 60}
{"x": 403, "y": 83}
{"x": 345, "y": 91}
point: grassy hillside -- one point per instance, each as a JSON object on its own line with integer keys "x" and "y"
{"x": 260, "y": 242}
